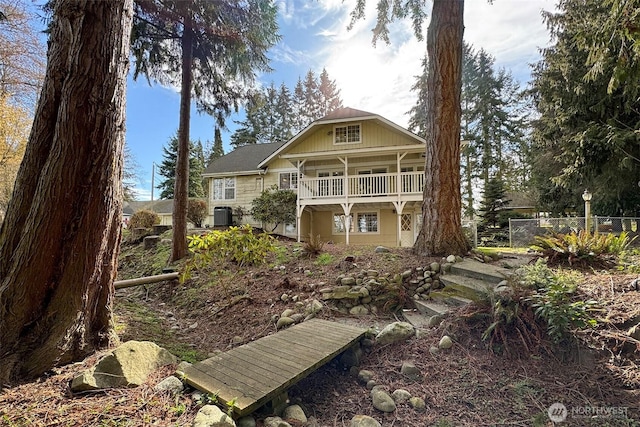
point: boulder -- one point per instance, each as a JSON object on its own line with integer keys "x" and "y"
{"x": 294, "y": 413}
{"x": 170, "y": 384}
{"x": 364, "y": 421}
{"x": 364, "y": 376}
{"x": 394, "y": 332}
{"x": 275, "y": 422}
{"x": 381, "y": 250}
{"x": 382, "y": 401}
{"x": 127, "y": 366}
{"x": 247, "y": 421}
{"x": 359, "y": 310}
{"x": 212, "y": 416}
{"x": 351, "y": 357}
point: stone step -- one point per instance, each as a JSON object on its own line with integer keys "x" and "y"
{"x": 431, "y": 308}
{"x": 465, "y": 287}
{"x": 417, "y": 319}
{"x": 478, "y": 270}
{"x": 450, "y": 299}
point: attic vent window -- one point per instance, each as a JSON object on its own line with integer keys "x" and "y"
{"x": 349, "y": 134}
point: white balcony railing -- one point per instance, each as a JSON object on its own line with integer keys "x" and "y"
{"x": 384, "y": 184}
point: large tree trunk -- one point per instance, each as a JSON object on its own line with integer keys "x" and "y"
{"x": 441, "y": 231}
{"x": 59, "y": 241}
{"x": 181, "y": 186}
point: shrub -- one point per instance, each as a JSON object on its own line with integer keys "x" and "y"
{"x": 275, "y": 206}
{"x": 196, "y": 212}
{"x": 554, "y": 299}
{"x": 143, "y": 219}
{"x": 582, "y": 248}
{"x": 237, "y": 244}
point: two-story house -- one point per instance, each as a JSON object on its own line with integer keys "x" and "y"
{"x": 358, "y": 176}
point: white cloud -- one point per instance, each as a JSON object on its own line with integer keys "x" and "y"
{"x": 379, "y": 79}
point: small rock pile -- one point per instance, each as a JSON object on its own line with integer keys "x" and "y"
{"x": 363, "y": 292}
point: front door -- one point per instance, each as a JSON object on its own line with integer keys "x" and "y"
{"x": 406, "y": 230}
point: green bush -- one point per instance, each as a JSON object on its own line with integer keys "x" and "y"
{"x": 237, "y": 244}
{"x": 554, "y": 299}
{"x": 582, "y": 248}
{"x": 143, "y": 219}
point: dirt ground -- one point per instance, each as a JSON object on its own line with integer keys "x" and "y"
{"x": 468, "y": 385}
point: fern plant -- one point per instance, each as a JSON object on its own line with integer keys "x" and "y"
{"x": 582, "y": 248}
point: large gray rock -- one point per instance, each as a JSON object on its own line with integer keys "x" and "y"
{"x": 284, "y": 321}
{"x": 364, "y": 421}
{"x": 294, "y": 413}
{"x": 275, "y": 422}
{"x": 212, "y": 416}
{"x": 247, "y": 421}
{"x": 394, "y": 332}
{"x": 364, "y": 376}
{"x": 170, "y": 384}
{"x": 401, "y": 395}
{"x": 127, "y": 366}
{"x": 382, "y": 401}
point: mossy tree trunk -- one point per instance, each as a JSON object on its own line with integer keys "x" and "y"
{"x": 59, "y": 241}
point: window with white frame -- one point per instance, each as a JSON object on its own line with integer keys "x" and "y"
{"x": 367, "y": 222}
{"x": 349, "y": 134}
{"x": 224, "y": 188}
{"x": 288, "y": 180}
{"x": 341, "y": 222}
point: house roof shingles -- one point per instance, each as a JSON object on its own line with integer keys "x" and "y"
{"x": 243, "y": 159}
{"x": 344, "y": 114}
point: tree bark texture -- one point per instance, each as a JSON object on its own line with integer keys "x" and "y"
{"x": 59, "y": 241}
{"x": 181, "y": 185}
{"x": 441, "y": 231}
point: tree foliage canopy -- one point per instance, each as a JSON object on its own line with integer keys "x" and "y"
{"x": 15, "y": 125}
{"x": 586, "y": 135}
{"x": 167, "y": 169}
{"x": 275, "y": 206}
{"x": 276, "y": 114}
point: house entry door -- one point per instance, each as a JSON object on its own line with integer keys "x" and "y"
{"x": 406, "y": 230}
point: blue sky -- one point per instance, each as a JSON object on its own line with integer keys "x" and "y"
{"x": 376, "y": 79}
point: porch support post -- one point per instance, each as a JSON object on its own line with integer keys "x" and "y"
{"x": 299, "y": 211}
{"x": 346, "y": 208}
{"x": 345, "y": 178}
{"x": 299, "y": 207}
{"x": 399, "y": 208}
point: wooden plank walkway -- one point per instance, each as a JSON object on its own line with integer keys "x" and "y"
{"x": 253, "y": 374}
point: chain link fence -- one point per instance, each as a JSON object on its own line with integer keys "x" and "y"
{"x": 523, "y": 231}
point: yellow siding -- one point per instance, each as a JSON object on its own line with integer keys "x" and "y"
{"x": 387, "y": 229}
{"x": 247, "y": 189}
{"x": 371, "y": 134}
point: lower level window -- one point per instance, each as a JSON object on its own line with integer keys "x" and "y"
{"x": 367, "y": 222}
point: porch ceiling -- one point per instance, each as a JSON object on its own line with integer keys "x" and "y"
{"x": 410, "y": 206}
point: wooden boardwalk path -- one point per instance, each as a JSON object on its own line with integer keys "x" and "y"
{"x": 251, "y": 375}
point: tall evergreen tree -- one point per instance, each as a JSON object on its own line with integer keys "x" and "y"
{"x": 167, "y": 169}
{"x": 328, "y": 95}
{"x": 586, "y": 134}
{"x": 217, "y": 150}
{"x": 208, "y": 48}
{"x": 493, "y": 201}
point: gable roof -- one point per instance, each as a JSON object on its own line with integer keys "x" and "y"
{"x": 339, "y": 115}
{"x": 243, "y": 159}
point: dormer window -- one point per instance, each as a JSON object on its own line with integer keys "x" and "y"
{"x": 349, "y": 134}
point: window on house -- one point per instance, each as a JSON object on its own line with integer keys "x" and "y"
{"x": 347, "y": 134}
{"x": 340, "y": 223}
{"x": 367, "y": 222}
{"x": 224, "y": 188}
{"x": 288, "y": 180}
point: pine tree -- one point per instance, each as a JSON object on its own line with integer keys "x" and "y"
{"x": 167, "y": 169}
{"x": 329, "y": 95}
{"x": 217, "y": 150}
{"x": 493, "y": 201}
